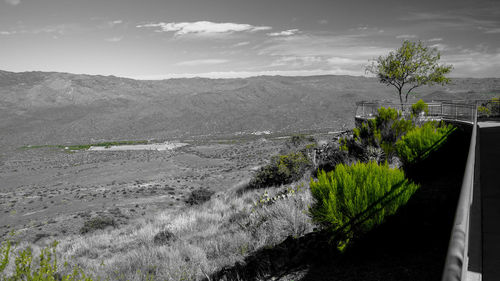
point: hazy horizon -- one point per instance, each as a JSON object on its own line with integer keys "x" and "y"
{"x": 152, "y": 40}
{"x": 227, "y": 75}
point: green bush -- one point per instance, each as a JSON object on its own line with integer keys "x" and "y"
{"x": 419, "y": 142}
{"x": 382, "y": 132}
{"x": 419, "y": 107}
{"x": 351, "y": 200}
{"x": 490, "y": 108}
{"x": 283, "y": 169}
{"x": 45, "y": 270}
{"x": 483, "y": 111}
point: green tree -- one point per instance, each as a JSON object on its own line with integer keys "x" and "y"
{"x": 409, "y": 67}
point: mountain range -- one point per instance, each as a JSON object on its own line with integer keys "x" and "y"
{"x": 58, "y": 108}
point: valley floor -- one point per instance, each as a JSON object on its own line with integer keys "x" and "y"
{"x": 49, "y": 193}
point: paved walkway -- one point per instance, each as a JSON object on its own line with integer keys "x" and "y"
{"x": 489, "y": 178}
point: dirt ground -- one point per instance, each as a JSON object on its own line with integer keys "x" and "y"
{"x": 49, "y": 192}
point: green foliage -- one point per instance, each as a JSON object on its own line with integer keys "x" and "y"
{"x": 352, "y": 200}
{"x": 483, "y": 111}
{"x": 4, "y": 254}
{"x": 391, "y": 125}
{"x": 419, "y": 142}
{"x": 490, "y": 108}
{"x": 383, "y": 131}
{"x": 311, "y": 146}
{"x": 419, "y": 107}
{"x": 299, "y": 142}
{"x": 46, "y": 269}
{"x": 283, "y": 169}
{"x": 97, "y": 223}
{"x": 409, "y": 67}
{"x": 343, "y": 144}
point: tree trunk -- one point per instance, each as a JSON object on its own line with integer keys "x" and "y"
{"x": 401, "y": 100}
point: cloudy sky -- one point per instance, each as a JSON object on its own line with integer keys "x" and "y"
{"x": 153, "y": 39}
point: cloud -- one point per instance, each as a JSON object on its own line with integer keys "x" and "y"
{"x": 114, "y": 39}
{"x": 440, "y": 46}
{"x": 345, "y": 61}
{"x": 323, "y": 21}
{"x": 288, "y": 32}
{"x": 202, "y": 62}
{"x": 13, "y": 2}
{"x": 297, "y": 61}
{"x": 246, "y": 74}
{"x": 483, "y": 17}
{"x": 324, "y": 45}
{"x": 325, "y": 50}
{"x": 367, "y": 29}
{"x": 241, "y": 44}
{"x": 474, "y": 63}
{"x": 406, "y": 36}
{"x": 54, "y": 30}
{"x": 113, "y": 23}
{"x": 203, "y": 27}
{"x": 435, "y": 40}
{"x": 493, "y": 30}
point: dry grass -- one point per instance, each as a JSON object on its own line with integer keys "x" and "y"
{"x": 219, "y": 233}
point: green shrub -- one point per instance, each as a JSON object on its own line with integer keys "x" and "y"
{"x": 490, "y": 108}
{"x": 419, "y": 107}
{"x": 283, "y": 169}
{"x": 483, "y": 111}
{"x": 383, "y": 131}
{"x": 351, "y": 200}
{"x": 45, "y": 270}
{"x": 97, "y": 223}
{"x": 418, "y": 143}
{"x": 392, "y": 125}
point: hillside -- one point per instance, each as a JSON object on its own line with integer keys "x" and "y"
{"x": 48, "y": 107}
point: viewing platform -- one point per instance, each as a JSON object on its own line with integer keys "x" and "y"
{"x": 474, "y": 246}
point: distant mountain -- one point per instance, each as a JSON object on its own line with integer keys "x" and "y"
{"x": 57, "y": 108}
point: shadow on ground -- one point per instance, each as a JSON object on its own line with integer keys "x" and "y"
{"x": 409, "y": 246}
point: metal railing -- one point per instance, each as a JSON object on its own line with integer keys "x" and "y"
{"x": 449, "y": 110}
{"x": 457, "y": 261}
{"x": 459, "y": 112}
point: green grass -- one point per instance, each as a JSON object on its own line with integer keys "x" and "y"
{"x": 26, "y": 266}
{"x": 84, "y": 146}
{"x": 353, "y": 199}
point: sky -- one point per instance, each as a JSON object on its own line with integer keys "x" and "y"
{"x": 154, "y": 39}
